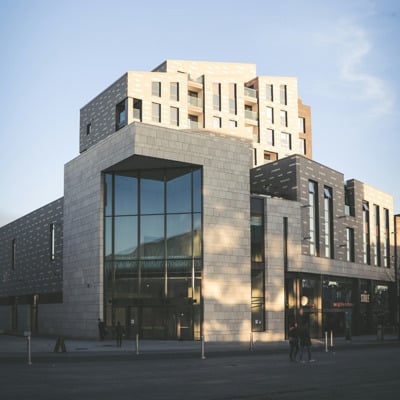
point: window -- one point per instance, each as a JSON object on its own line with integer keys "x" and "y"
{"x": 386, "y": 241}
{"x": 216, "y": 122}
{"x": 270, "y": 137}
{"x": 121, "y": 117}
{"x": 89, "y": 128}
{"x": 302, "y": 125}
{"x": 13, "y": 253}
{"x": 174, "y": 91}
{"x": 270, "y": 115}
{"x": 286, "y": 140}
{"x": 232, "y": 98}
{"x": 156, "y": 112}
{"x": 52, "y": 242}
{"x": 302, "y": 146}
{"x": 257, "y": 265}
{"x": 156, "y": 89}
{"x": 174, "y": 116}
{"x": 366, "y": 234}
{"x": 217, "y": 96}
{"x": 377, "y": 237}
{"x": 193, "y": 98}
{"x": 137, "y": 109}
{"x": 313, "y": 218}
{"x": 283, "y": 95}
{"x": 193, "y": 121}
{"x": 350, "y": 244}
{"x": 232, "y": 123}
{"x": 270, "y": 92}
{"x": 328, "y": 222}
{"x": 284, "y": 120}
{"x": 270, "y": 156}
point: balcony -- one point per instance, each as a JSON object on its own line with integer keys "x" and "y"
{"x": 195, "y": 84}
{"x": 250, "y": 95}
{"x": 253, "y": 115}
{"x": 195, "y": 105}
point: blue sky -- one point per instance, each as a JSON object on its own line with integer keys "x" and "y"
{"x": 55, "y": 56}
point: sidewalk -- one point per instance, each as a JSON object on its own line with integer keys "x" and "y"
{"x": 41, "y": 345}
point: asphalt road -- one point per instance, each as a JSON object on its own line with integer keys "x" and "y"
{"x": 360, "y": 373}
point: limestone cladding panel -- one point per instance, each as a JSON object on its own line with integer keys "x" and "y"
{"x": 226, "y": 212}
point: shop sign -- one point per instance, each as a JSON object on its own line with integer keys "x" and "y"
{"x": 340, "y": 304}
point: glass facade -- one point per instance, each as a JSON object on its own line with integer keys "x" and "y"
{"x": 153, "y": 252}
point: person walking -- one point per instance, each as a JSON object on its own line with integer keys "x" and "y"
{"x": 293, "y": 341}
{"x": 119, "y": 331}
{"x": 305, "y": 343}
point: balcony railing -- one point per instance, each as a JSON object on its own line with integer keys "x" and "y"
{"x": 195, "y": 101}
{"x": 250, "y": 115}
{"x": 249, "y": 92}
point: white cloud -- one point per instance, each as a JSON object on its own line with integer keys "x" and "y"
{"x": 354, "y": 57}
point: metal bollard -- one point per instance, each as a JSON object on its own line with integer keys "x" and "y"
{"x": 251, "y": 341}
{"x": 137, "y": 344}
{"x": 27, "y": 334}
{"x": 326, "y": 341}
{"x": 332, "y": 342}
{"x": 202, "y": 348}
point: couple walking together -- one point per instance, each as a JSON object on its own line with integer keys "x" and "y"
{"x": 299, "y": 336}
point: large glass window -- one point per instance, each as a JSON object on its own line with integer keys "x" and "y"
{"x": 152, "y": 236}
{"x": 126, "y": 194}
{"x": 366, "y": 234}
{"x": 178, "y": 191}
{"x": 152, "y": 192}
{"x": 328, "y": 222}
{"x": 125, "y": 233}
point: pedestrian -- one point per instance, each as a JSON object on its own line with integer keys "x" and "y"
{"x": 305, "y": 343}
{"x": 102, "y": 329}
{"x": 293, "y": 341}
{"x": 119, "y": 331}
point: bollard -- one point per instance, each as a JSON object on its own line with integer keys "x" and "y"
{"x": 28, "y": 341}
{"x": 202, "y": 348}
{"x": 251, "y": 341}
{"x": 332, "y": 341}
{"x": 137, "y": 344}
{"x": 326, "y": 341}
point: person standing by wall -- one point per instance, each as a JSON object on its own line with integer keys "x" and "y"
{"x": 293, "y": 341}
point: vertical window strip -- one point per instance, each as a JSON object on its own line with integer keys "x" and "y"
{"x": 52, "y": 242}
{"x": 366, "y": 234}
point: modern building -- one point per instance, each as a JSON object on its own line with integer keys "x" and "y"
{"x": 192, "y": 211}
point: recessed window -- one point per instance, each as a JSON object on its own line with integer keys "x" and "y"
{"x": 52, "y": 242}
{"x": 89, "y": 128}
{"x": 284, "y": 119}
{"x": 302, "y": 146}
{"x": 269, "y": 137}
{"x": 156, "y": 89}
{"x": 270, "y": 92}
{"x": 302, "y": 125}
{"x": 174, "y": 116}
{"x": 232, "y": 98}
{"x": 156, "y": 112}
{"x": 286, "y": 140}
{"x": 232, "y": 123}
{"x": 283, "y": 94}
{"x": 270, "y": 115}
{"x": 350, "y": 244}
{"x": 217, "y": 96}
{"x": 193, "y": 121}
{"x": 270, "y": 156}
{"x": 174, "y": 91}
{"x": 217, "y": 122}
{"x": 137, "y": 109}
{"x": 121, "y": 117}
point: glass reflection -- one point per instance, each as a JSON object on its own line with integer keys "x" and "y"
{"x": 197, "y": 190}
{"x": 152, "y": 192}
{"x": 152, "y": 236}
{"x": 126, "y": 241}
{"x": 125, "y": 195}
{"x": 179, "y": 235}
{"x": 178, "y": 191}
{"x": 108, "y": 190}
